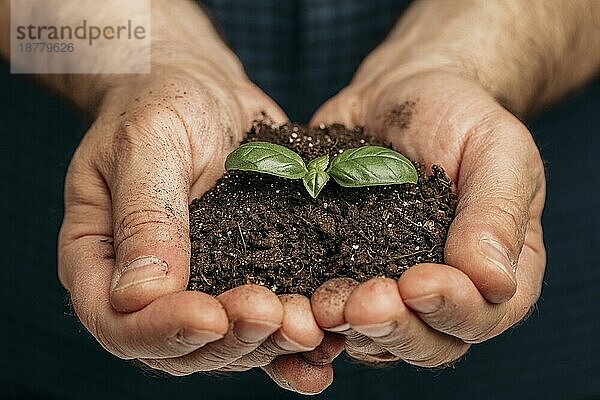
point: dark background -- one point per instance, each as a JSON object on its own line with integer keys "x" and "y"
{"x": 45, "y": 353}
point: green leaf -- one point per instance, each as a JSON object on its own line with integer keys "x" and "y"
{"x": 314, "y": 181}
{"x": 266, "y": 158}
{"x": 371, "y": 166}
{"x": 319, "y": 163}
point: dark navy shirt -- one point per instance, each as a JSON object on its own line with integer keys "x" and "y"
{"x": 300, "y": 53}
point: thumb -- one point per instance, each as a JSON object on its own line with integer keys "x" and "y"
{"x": 149, "y": 185}
{"x": 499, "y": 178}
{"x": 344, "y": 108}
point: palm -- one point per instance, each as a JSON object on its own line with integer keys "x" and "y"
{"x": 124, "y": 245}
{"x": 438, "y": 118}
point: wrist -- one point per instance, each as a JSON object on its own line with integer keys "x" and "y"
{"x": 196, "y": 74}
{"x": 392, "y": 63}
{"x": 182, "y": 37}
{"x": 525, "y": 54}
{"x": 211, "y": 63}
{"x": 396, "y": 60}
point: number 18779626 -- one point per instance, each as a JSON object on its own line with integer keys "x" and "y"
{"x": 45, "y": 47}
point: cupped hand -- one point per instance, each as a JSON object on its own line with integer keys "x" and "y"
{"x": 494, "y": 254}
{"x": 158, "y": 142}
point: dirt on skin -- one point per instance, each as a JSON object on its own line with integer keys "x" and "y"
{"x": 261, "y": 229}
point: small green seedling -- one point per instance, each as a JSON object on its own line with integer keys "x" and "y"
{"x": 358, "y": 167}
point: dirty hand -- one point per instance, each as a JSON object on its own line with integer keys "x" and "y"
{"x": 494, "y": 254}
{"x": 439, "y": 89}
{"x": 158, "y": 142}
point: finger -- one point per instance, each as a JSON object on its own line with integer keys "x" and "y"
{"x": 293, "y": 373}
{"x": 376, "y": 310}
{"x": 328, "y": 303}
{"x": 289, "y": 374}
{"x": 344, "y": 108}
{"x": 255, "y": 313}
{"x": 500, "y": 174}
{"x": 171, "y": 326}
{"x": 329, "y": 349}
{"x": 299, "y": 332}
{"x": 87, "y": 215}
{"x": 149, "y": 180}
{"x": 448, "y": 301}
{"x": 258, "y": 105}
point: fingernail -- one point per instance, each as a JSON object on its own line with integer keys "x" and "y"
{"x": 426, "y": 304}
{"x": 283, "y": 341}
{"x": 273, "y": 371}
{"x": 314, "y": 358}
{"x": 339, "y": 328}
{"x": 320, "y": 357}
{"x": 197, "y": 337}
{"x": 253, "y": 331}
{"x": 331, "y": 346}
{"x": 498, "y": 255}
{"x": 376, "y": 330}
{"x": 140, "y": 270}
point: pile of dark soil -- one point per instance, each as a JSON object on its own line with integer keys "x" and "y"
{"x": 256, "y": 228}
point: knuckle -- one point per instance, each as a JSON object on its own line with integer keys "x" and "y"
{"x": 81, "y": 180}
{"x": 515, "y": 312}
{"x": 448, "y": 317}
{"x": 400, "y": 335}
{"x": 471, "y": 328}
{"x": 358, "y": 355}
{"x": 136, "y": 220}
{"x": 351, "y": 98}
{"x": 443, "y": 357}
{"x": 109, "y": 344}
{"x": 174, "y": 344}
{"x": 235, "y": 368}
{"x": 140, "y": 130}
{"x": 482, "y": 332}
{"x": 532, "y": 290}
{"x": 496, "y": 123}
{"x": 169, "y": 366}
{"x": 127, "y": 139}
{"x": 64, "y": 263}
{"x": 525, "y": 306}
{"x": 164, "y": 132}
{"x": 92, "y": 323}
{"x": 263, "y": 355}
{"x": 512, "y": 211}
{"x": 379, "y": 359}
{"x": 522, "y": 314}
{"x": 360, "y": 345}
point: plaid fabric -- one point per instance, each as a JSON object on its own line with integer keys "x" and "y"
{"x": 300, "y": 53}
{"x": 303, "y": 52}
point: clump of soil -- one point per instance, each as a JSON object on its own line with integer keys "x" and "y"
{"x": 256, "y": 228}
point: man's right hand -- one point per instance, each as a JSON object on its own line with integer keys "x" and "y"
{"x": 158, "y": 142}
